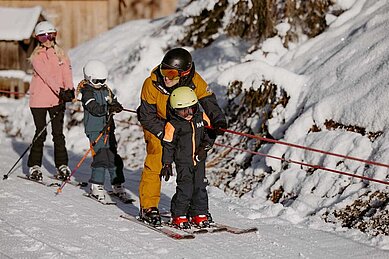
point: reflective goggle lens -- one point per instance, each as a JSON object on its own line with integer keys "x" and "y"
{"x": 47, "y": 36}
{"x": 172, "y": 74}
{"x": 187, "y": 110}
{"x": 98, "y": 81}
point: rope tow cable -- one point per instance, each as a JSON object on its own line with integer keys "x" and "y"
{"x": 304, "y": 164}
{"x": 306, "y": 148}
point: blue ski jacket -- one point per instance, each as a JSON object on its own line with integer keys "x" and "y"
{"x": 95, "y": 104}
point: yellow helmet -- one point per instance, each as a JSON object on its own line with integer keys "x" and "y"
{"x": 182, "y": 97}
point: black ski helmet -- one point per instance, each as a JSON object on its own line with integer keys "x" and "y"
{"x": 177, "y": 58}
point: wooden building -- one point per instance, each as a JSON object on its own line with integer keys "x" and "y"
{"x": 76, "y": 21}
{"x": 80, "y": 20}
{"x": 16, "y": 45}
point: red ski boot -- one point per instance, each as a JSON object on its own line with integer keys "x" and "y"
{"x": 181, "y": 222}
{"x": 200, "y": 221}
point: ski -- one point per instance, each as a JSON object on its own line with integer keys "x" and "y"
{"x": 35, "y": 181}
{"x": 125, "y": 200}
{"x": 217, "y": 227}
{"x": 104, "y": 202}
{"x": 72, "y": 182}
{"x": 187, "y": 230}
{"x": 195, "y": 230}
{"x": 163, "y": 229}
{"x": 235, "y": 230}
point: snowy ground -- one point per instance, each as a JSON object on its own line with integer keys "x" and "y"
{"x": 36, "y": 223}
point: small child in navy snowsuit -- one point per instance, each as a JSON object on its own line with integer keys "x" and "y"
{"x": 98, "y": 102}
{"x": 186, "y": 143}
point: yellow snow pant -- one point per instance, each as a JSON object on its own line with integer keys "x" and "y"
{"x": 150, "y": 183}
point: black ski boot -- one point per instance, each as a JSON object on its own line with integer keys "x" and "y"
{"x": 209, "y": 218}
{"x": 63, "y": 173}
{"x": 151, "y": 216}
{"x": 35, "y": 173}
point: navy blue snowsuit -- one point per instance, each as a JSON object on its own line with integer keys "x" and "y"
{"x": 182, "y": 138}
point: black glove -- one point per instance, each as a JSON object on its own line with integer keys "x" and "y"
{"x": 201, "y": 153}
{"x": 217, "y": 126}
{"x": 115, "y": 107}
{"x": 66, "y": 95}
{"x": 166, "y": 172}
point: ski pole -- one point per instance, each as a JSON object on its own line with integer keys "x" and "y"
{"x": 32, "y": 143}
{"x": 59, "y": 190}
{"x": 106, "y": 127}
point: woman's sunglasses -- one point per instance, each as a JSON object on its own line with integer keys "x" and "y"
{"x": 45, "y": 37}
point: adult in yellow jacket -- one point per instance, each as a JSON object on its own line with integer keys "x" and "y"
{"x": 176, "y": 69}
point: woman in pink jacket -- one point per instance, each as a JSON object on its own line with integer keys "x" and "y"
{"x": 51, "y": 86}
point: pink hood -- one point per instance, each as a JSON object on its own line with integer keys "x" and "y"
{"x": 49, "y": 72}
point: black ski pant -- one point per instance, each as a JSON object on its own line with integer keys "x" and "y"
{"x": 56, "y": 113}
{"x": 118, "y": 160}
{"x": 191, "y": 196}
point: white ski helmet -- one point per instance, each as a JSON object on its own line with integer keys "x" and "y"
{"x": 44, "y": 27}
{"x": 95, "y": 72}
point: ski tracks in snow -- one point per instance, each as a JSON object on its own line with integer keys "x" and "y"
{"x": 36, "y": 223}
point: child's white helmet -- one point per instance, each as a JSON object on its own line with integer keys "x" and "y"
{"x": 95, "y": 72}
{"x": 44, "y": 27}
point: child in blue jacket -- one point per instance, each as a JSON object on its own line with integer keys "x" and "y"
{"x": 99, "y": 103}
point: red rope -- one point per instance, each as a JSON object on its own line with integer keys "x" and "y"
{"x": 9, "y": 92}
{"x": 306, "y": 148}
{"x": 304, "y": 164}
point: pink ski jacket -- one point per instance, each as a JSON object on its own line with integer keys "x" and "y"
{"x": 50, "y": 74}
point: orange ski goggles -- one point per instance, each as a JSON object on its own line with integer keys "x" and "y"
{"x": 173, "y": 73}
